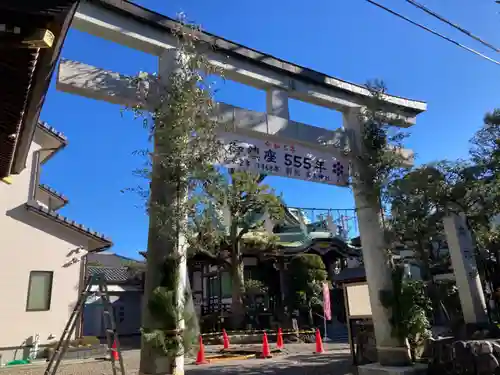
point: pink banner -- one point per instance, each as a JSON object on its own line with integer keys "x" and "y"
{"x": 327, "y": 311}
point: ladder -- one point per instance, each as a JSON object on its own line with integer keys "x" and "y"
{"x": 109, "y": 327}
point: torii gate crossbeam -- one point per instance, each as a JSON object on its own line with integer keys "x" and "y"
{"x": 144, "y": 30}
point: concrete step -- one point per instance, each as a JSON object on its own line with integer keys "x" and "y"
{"x": 339, "y": 339}
{"x": 338, "y": 334}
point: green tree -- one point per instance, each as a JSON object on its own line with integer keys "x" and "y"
{"x": 485, "y": 154}
{"x": 416, "y": 215}
{"x": 485, "y": 150}
{"x": 307, "y": 274}
{"x": 421, "y": 198}
{"x": 473, "y": 186}
{"x": 227, "y": 220}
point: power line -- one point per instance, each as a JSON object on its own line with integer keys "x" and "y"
{"x": 394, "y": 13}
{"x": 458, "y": 27}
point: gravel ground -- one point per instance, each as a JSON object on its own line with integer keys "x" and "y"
{"x": 299, "y": 360}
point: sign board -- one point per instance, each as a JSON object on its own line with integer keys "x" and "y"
{"x": 327, "y": 308}
{"x": 358, "y": 300}
{"x": 243, "y": 153}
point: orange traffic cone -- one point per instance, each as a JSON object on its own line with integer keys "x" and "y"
{"x": 319, "y": 343}
{"x": 200, "y": 358}
{"x": 225, "y": 338}
{"x": 266, "y": 353}
{"x": 279, "y": 340}
{"x": 114, "y": 352}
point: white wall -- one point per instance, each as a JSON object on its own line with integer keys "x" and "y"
{"x": 33, "y": 243}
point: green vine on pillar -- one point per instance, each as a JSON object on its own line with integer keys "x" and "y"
{"x": 179, "y": 112}
{"x": 164, "y": 307}
{"x": 381, "y": 156}
{"x": 380, "y": 159}
{"x": 410, "y": 308}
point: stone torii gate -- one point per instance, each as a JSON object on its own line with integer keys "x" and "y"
{"x": 135, "y": 27}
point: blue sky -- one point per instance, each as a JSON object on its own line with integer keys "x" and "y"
{"x": 348, "y": 39}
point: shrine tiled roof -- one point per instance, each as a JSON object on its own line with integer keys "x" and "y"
{"x": 28, "y": 70}
{"x": 53, "y": 192}
{"x": 45, "y": 126}
{"x": 108, "y": 259}
{"x": 117, "y": 269}
{"x": 63, "y": 220}
{"x": 111, "y": 274}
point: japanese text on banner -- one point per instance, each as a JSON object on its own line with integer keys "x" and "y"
{"x": 281, "y": 159}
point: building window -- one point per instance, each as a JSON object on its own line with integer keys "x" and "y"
{"x": 227, "y": 285}
{"x": 220, "y": 285}
{"x": 213, "y": 286}
{"x": 39, "y": 291}
{"x": 119, "y": 314}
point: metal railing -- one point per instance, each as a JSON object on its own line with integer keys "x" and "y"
{"x": 344, "y": 218}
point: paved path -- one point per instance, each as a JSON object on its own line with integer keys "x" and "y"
{"x": 294, "y": 364}
{"x": 298, "y": 361}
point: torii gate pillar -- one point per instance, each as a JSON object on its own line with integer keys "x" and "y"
{"x": 277, "y": 103}
{"x": 391, "y": 351}
{"x": 162, "y": 246}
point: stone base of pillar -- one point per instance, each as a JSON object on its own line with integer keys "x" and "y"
{"x": 394, "y": 356}
{"x": 378, "y": 369}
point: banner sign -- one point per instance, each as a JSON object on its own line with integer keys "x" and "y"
{"x": 327, "y": 309}
{"x": 243, "y": 153}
